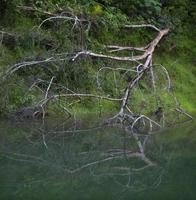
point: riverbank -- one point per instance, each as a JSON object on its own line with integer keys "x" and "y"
{"x": 48, "y": 51}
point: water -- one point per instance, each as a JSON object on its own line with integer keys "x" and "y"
{"x": 45, "y": 162}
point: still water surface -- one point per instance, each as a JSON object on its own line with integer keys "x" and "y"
{"x": 45, "y": 162}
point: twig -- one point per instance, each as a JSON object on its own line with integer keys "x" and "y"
{"x": 46, "y": 95}
{"x": 44, "y": 141}
{"x": 180, "y": 110}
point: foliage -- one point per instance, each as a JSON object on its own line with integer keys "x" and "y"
{"x": 106, "y": 17}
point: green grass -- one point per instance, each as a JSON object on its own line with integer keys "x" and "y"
{"x": 182, "y": 73}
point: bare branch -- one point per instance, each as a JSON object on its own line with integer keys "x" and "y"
{"x": 143, "y": 26}
{"x": 75, "y": 19}
{"x": 115, "y": 48}
{"x": 18, "y": 66}
{"x": 148, "y": 51}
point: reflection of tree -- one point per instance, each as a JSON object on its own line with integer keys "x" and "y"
{"x": 101, "y": 153}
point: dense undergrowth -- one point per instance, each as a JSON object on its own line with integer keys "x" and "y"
{"x": 21, "y": 40}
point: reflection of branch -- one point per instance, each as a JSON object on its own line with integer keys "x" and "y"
{"x": 130, "y": 155}
{"x": 76, "y": 130}
{"x": 23, "y": 157}
{"x": 44, "y": 141}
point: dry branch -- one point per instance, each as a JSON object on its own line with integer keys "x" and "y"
{"x": 75, "y": 19}
{"x": 115, "y": 48}
{"x": 149, "y": 51}
{"x": 143, "y": 26}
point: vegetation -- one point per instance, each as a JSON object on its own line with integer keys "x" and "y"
{"x": 24, "y": 37}
{"x": 129, "y": 64}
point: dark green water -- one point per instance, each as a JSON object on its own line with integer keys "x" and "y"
{"x": 36, "y": 163}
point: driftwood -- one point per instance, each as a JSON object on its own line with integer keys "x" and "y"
{"x": 127, "y": 120}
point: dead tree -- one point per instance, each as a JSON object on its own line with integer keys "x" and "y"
{"x": 124, "y": 118}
